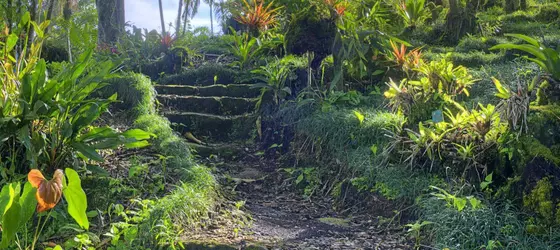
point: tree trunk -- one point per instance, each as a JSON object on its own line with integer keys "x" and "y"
{"x": 161, "y": 18}
{"x": 211, "y": 17}
{"x": 510, "y": 6}
{"x": 50, "y": 10}
{"x": 110, "y": 14}
{"x": 453, "y": 7}
{"x": 9, "y": 13}
{"x": 67, "y": 13}
{"x": 185, "y": 19}
{"x": 523, "y": 4}
{"x": 33, "y": 14}
{"x": 178, "y": 24}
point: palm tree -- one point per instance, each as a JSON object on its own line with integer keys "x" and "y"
{"x": 178, "y": 24}
{"x": 191, "y": 8}
{"x": 161, "y": 18}
{"x": 211, "y": 3}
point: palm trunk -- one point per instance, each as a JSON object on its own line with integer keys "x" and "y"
{"x": 67, "y": 15}
{"x": 161, "y": 18}
{"x": 185, "y": 19}
{"x": 211, "y": 18}
{"x": 510, "y": 6}
{"x": 178, "y": 24}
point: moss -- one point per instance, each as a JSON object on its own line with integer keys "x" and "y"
{"x": 133, "y": 90}
{"x": 472, "y": 43}
{"x": 207, "y": 74}
{"x": 539, "y": 200}
{"x": 544, "y": 122}
{"x": 533, "y": 148}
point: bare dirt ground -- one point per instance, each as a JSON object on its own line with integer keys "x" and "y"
{"x": 275, "y": 216}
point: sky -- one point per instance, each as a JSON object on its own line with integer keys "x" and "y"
{"x": 145, "y": 14}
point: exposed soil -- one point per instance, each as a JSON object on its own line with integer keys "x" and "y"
{"x": 279, "y": 217}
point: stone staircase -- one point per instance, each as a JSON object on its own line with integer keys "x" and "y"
{"x": 221, "y": 116}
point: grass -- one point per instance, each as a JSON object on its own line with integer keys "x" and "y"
{"x": 499, "y": 222}
{"x": 162, "y": 221}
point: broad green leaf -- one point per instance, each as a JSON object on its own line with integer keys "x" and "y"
{"x": 11, "y": 42}
{"x": 4, "y": 199}
{"x": 38, "y": 30}
{"x": 138, "y": 134}
{"x": 535, "y": 51}
{"x": 137, "y": 144}
{"x": 81, "y": 65}
{"x": 25, "y": 19}
{"x": 525, "y": 38}
{"x": 97, "y": 170}
{"x": 11, "y": 218}
{"x": 475, "y": 203}
{"x": 87, "y": 151}
{"x": 460, "y": 203}
{"x": 28, "y": 202}
{"x": 76, "y": 198}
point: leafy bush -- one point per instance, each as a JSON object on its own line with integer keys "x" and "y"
{"x": 464, "y": 145}
{"x": 311, "y": 30}
{"x": 439, "y": 83}
{"x": 548, "y": 13}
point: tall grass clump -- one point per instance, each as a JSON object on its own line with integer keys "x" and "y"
{"x": 496, "y": 225}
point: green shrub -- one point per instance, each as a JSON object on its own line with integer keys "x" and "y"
{"x": 311, "y": 30}
{"x": 548, "y": 13}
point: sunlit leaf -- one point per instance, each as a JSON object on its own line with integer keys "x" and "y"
{"x": 360, "y": 116}
{"x": 76, "y": 198}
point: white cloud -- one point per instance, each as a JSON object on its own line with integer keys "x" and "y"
{"x": 145, "y": 14}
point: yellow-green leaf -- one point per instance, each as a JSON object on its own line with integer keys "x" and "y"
{"x": 76, "y": 198}
{"x": 359, "y": 116}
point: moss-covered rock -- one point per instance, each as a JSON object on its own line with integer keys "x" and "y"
{"x": 232, "y": 90}
{"x": 205, "y": 75}
{"x": 544, "y": 124}
{"x": 542, "y": 200}
{"x": 209, "y": 105}
{"x": 214, "y": 127}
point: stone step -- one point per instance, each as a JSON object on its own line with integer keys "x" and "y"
{"x": 233, "y": 90}
{"x": 208, "y": 127}
{"x": 209, "y": 105}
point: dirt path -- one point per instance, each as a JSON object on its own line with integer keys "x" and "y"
{"x": 282, "y": 219}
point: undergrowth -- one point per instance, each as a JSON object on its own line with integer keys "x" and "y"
{"x": 160, "y": 221}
